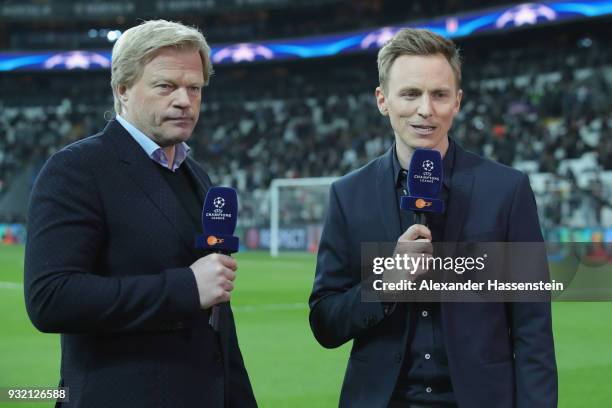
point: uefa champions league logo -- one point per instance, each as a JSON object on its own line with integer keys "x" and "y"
{"x": 217, "y": 213}
{"x": 426, "y": 175}
{"x": 428, "y": 165}
{"x": 526, "y": 13}
{"x": 243, "y": 52}
{"x": 77, "y": 60}
{"x": 378, "y": 38}
{"x": 219, "y": 203}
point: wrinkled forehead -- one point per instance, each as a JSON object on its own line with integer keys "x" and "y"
{"x": 171, "y": 62}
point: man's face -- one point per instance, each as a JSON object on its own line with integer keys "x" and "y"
{"x": 165, "y": 101}
{"x": 421, "y": 101}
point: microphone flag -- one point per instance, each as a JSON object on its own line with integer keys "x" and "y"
{"x": 424, "y": 182}
{"x": 219, "y": 217}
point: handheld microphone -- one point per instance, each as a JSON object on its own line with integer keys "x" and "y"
{"x": 424, "y": 183}
{"x": 219, "y": 217}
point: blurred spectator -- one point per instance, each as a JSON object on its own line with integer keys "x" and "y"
{"x": 287, "y": 121}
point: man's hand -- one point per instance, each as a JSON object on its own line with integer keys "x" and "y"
{"x": 214, "y": 274}
{"x": 414, "y": 242}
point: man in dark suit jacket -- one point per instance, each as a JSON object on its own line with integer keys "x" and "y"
{"x": 110, "y": 257}
{"x": 467, "y": 355}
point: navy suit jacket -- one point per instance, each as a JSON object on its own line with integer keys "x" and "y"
{"x": 107, "y": 265}
{"x": 499, "y": 355}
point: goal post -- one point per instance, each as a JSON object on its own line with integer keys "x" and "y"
{"x": 317, "y": 187}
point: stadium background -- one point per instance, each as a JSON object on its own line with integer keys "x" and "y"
{"x": 537, "y": 97}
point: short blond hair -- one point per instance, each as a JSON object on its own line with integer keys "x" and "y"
{"x": 411, "y": 41}
{"x": 138, "y": 45}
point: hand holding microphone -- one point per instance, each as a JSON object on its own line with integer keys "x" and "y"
{"x": 414, "y": 243}
{"x": 424, "y": 183}
{"x": 215, "y": 273}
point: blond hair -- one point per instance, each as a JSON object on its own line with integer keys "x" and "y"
{"x": 138, "y": 45}
{"x": 411, "y": 41}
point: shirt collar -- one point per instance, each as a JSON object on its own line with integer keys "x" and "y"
{"x": 152, "y": 149}
{"x": 447, "y": 162}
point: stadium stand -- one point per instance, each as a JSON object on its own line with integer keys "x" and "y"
{"x": 538, "y": 100}
{"x": 278, "y": 19}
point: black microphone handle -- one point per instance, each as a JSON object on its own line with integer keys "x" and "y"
{"x": 213, "y": 320}
{"x": 420, "y": 218}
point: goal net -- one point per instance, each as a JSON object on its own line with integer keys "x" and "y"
{"x": 297, "y": 210}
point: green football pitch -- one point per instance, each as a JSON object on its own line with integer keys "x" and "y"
{"x": 286, "y": 365}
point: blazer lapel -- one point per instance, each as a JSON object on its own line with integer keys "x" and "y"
{"x": 460, "y": 196}
{"x": 202, "y": 184}
{"x": 388, "y": 207}
{"x": 462, "y": 182}
{"x": 141, "y": 169}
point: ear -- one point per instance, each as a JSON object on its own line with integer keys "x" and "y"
{"x": 381, "y": 101}
{"x": 458, "y": 101}
{"x": 123, "y": 93}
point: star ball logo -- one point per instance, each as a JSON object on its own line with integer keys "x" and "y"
{"x": 219, "y": 203}
{"x": 426, "y": 175}
{"x": 243, "y": 52}
{"x": 77, "y": 60}
{"x": 526, "y": 14}
{"x": 217, "y": 214}
{"x": 428, "y": 165}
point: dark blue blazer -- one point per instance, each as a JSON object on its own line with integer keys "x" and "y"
{"x": 500, "y": 355}
{"x": 107, "y": 265}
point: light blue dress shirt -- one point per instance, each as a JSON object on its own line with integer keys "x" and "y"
{"x": 152, "y": 149}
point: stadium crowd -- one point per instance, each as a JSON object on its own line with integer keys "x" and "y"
{"x": 261, "y": 122}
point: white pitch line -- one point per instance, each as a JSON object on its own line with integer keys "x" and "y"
{"x": 10, "y": 285}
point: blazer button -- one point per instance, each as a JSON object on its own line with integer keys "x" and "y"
{"x": 398, "y": 358}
